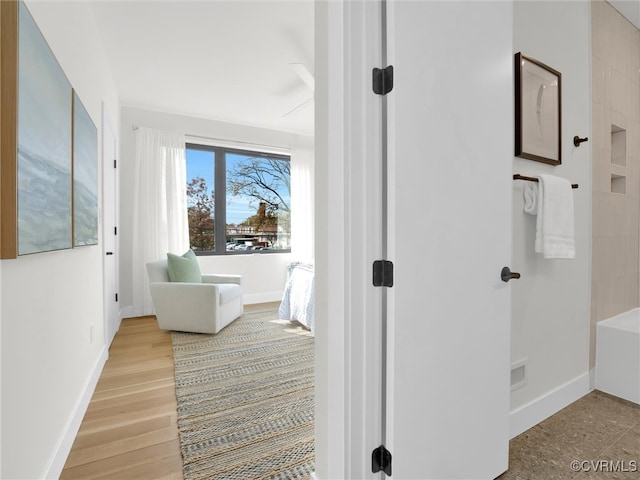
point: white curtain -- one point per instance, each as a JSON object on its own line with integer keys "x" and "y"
{"x": 160, "y": 223}
{"x": 302, "y": 203}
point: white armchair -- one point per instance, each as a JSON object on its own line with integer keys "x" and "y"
{"x": 205, "y": 307}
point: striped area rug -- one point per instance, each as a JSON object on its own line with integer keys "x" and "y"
{"x": 246, "y": 400}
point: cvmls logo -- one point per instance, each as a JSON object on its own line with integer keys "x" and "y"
{"x": 604, "y": 466}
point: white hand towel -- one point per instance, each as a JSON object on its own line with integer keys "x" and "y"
{"x": 555, "y": 236}
{"x": 530, "y": 194}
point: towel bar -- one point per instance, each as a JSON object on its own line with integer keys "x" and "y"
{"x": 517, "y": 176}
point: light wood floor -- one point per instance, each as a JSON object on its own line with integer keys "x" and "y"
{"x": 130, "y": 428}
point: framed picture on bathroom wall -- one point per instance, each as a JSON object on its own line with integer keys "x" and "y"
{"x": 537, "y": 111}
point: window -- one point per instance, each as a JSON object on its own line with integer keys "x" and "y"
{"x": 238, "y": 201}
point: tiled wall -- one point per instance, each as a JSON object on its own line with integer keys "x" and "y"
{"x": 616, "y": 164}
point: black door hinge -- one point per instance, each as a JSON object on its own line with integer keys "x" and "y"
{"x": 116, "y": 297}
{"x": 115, "y": 163}
{"x": 382, "y": 273}
{"x": 381, "y": 460}
{"x": 115, "y": 230}
{"x": 383, "y": 80}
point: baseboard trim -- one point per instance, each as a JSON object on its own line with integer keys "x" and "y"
{"x": 534, "y": 412}
{"x": 262, "y": 297}
{"x": 129, "y": 312}
{"x": 61, "y": 452}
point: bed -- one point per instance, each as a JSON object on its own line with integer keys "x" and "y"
{"x": 298, "y": 297}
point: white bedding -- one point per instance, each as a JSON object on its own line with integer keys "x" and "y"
{"x": 298, "y": 298}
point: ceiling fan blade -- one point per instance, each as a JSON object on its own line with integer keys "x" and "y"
{"x": 297, "y": 107}
{"x": 304, "y": 74}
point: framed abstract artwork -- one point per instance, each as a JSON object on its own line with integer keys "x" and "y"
{"x": 85, "y": 176}
{"x": 537, "y": 111}
{"x": 48, "y": 146}
{"x": 44, "y": 173}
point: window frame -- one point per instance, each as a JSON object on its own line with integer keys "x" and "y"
{"x": 220, "y": 196}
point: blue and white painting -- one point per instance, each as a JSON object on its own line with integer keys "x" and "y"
{"x": 85, "y": 176}
{"x": 44, "y": 144}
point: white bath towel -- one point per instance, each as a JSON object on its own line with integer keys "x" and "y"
{"x": 555, "y": 236}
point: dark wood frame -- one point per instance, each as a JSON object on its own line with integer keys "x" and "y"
{"x": 520, "y": 58}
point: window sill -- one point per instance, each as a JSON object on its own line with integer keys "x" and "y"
{"x": 240, "y": 253}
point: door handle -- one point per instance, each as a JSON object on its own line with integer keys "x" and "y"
{"x": 109, "y": 253}
{"x": 506, "y": 274}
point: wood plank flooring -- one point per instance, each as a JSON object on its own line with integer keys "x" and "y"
{"x": 130, "y": 428}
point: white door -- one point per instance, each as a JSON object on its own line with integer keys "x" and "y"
{"x": 109, "y": 225}
{"x": 450, "y": 161}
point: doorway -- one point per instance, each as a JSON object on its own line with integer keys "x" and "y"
{"x": 434, "y": 164}
{"x": 112, "y": 316}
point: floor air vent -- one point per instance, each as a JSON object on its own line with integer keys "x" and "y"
{"x": 518, "y": 374}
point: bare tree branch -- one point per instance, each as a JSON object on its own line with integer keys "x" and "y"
{"x": 263, "y": 179}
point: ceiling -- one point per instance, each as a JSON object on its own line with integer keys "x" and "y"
{"x": 227, "y": 60}
{"x": 630, "y": 9}
{"x": 216, "y": 59}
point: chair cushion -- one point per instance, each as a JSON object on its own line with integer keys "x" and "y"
{"x": 183, "y": 268}
{"x": 228, "y": 292}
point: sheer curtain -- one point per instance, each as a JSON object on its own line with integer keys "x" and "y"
{"x": 160, "y": 222}
{"x": 302, "y": 207}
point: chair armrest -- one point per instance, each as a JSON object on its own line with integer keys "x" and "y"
{"x": 183, "y": 292}
{"x": 216, "y": 278}
{"x": 185, "y": 306}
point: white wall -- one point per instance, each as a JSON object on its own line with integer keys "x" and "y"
{"x": 263, "y": 275}
{"x": 551, "y": 302}
{"x": 50, "y": 300}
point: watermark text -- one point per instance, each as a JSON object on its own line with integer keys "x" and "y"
{"x": 598, "y": 466}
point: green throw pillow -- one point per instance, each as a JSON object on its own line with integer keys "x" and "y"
{"x": 184, "y": 268}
